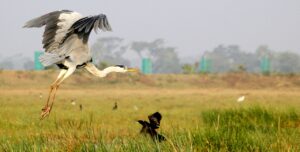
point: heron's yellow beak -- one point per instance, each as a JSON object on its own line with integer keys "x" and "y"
{"x": 132, "y": 70}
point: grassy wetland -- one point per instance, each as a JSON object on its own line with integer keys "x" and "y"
{"x": 199, "y": 112}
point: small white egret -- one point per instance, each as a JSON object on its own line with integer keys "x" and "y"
{"x": 135, "y": 108}
{"x": 41, "y": 96}
{"x": 241, "y": 99}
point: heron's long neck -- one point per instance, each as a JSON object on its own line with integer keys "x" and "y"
{"x": 99, "y": 73}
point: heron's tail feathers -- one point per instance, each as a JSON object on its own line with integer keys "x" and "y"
{"x": 50, "y": 58}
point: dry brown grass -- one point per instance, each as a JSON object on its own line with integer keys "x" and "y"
{"x": 182, "y": 99}
{"x": 41, "y": 79}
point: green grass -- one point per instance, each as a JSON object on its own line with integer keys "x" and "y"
{"x": 194, "y": 119}
{"x": 250, "y": 129}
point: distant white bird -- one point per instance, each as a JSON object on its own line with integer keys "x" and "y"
{"x": 65, "y": 42}
{"x": 41, "y": 95}
{"x": 73, "y": 102}
{"x": 241, "y": 99}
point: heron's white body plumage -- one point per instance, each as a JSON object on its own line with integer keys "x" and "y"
{"x": 66, "y": 20}
{"x": 72, "y": 47}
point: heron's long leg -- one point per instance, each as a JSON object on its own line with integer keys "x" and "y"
{"x": 60, "y": 76}
{"x": 47, "y": 108}
{"x": 67, "y": 74}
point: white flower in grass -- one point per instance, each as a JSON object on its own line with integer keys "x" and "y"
{"x": 73, "y": 102}
{"x": 135, "y": 108}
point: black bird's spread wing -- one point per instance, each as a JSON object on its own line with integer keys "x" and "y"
{"x": 84, "y": 26}
{"x": 142, "y": 122}
{"x": 155, "y": 120}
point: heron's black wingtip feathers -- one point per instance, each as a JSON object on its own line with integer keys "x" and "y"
{"x": 26, "y": 26}
{"x": 42, "y": 20}
{"x": 105, "y": 24}
{"x": 86, "y": 24}
{"x": 31, "y": 23}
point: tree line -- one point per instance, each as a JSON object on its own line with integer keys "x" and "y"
{"x": 114, "y": 50}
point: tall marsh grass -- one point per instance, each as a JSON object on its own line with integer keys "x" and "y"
{"x": 242, "y": 129}
{"x": 200, "y": 113}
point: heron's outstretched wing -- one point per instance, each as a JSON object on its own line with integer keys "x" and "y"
{"x": 57, "y": 25}
{"x": 85, "y": 25}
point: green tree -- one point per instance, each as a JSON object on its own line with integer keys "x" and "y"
{"x": 165, "y": 59}
{"x": 28, "y": 65}
{"x": 229, "y": 58}
{"x": 286, "y": 62}
{"x": 187, "y": 69}
{"x": 109, "y": 50}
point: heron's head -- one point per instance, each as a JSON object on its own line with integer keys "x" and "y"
{"x": 123, "y": 69}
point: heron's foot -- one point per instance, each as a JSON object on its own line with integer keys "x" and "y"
{"x": 45, "y": 112}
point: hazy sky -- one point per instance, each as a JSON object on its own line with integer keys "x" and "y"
{"x": 192, "y": 26}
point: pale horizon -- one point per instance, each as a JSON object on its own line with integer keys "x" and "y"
{"x": 192, "y": 27}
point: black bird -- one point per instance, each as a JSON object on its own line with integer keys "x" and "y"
{"x": 80, "y": 107}
{"x": 150, "y": 128}
{"x": 116, "y": 106}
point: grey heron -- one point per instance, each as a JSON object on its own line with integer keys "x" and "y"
{"x": 65, "y": 41}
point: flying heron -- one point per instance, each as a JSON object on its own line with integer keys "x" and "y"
{"x": 65, "y": 41}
